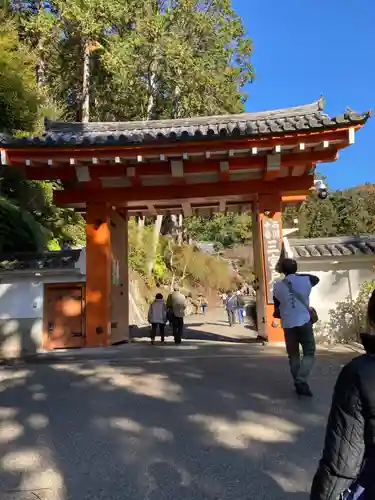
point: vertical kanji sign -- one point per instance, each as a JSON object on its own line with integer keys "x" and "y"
{"x": 272, "y": 248}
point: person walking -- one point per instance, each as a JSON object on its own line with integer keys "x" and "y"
{"x": 176, "y": 305}
{"x": 202, "y": 303}
{"x": 241, "y": 311}
{"x": 292, "y": 306}
{"x": 346, "y": 469}
{"x": 157, "y": 317}
{"x": 230, "y": 306}
{"x": 223, "y": 297}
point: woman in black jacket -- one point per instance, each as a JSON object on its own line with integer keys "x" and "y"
{"x": 349, "y": 450}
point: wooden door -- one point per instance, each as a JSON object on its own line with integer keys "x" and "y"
{"x": 64, "y": 321}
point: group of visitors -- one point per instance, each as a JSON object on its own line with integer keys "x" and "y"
{"x": 172, "y": 310}
{"x": 346, "y": 469}
{"x": 234, "y": 303}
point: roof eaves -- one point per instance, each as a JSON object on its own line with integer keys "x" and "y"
{"x": 309, "y": 117}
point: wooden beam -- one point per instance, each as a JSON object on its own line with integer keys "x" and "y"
{"x": 189, "y": 167}
{"x": 298, "y": 170}
{"x": 121, "y": 196}
{"x": 224, "y": 171}
{"x": 151, "y": 209}
{"x": 177, "y": 171}
{"x": 106, "y": 152}
{"x": 222, "y": 205}
{"x": 3, "y": 157}
{"x": 132, "y": 174}
{"x": 51, "y": 174}
{"x": 322, "y": 145}
{"x": 351, "y": 136}
{"x": 273, "y": 167}
{"x": 83, "y": 174}
{"x": 186, "y": 207}
{"x": 293, "y": 198}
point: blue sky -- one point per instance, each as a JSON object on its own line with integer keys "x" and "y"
{"x": 306, "y": 48}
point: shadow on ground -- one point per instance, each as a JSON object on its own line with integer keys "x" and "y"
{"x": 193, "y": 333}
{"x": 213, "y": 327}
{"x": 201, "y": 422}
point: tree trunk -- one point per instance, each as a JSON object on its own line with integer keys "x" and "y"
{"x": 85, "y": 106}
{"x": 151, "y": 89}
{"x": 40, "y": 66}
{"x": 170, "y": 247}
{"x": 176, "y": 102}
{"x": 155, "y": 242}
{"x": 180, "y": 229}
{"x": 40, "y": 72}
{"x": 140, "y": 228}
{"x": 151, "y": 98}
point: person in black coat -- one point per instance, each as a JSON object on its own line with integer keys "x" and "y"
{"x": 349, "y": 450}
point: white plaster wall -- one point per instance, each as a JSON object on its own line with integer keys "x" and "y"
{"x": 21, "y": 311}
{"x": 333, "y": 288}
{"x": 81, "y": 262}
{"x": 334, "y": 282}
{"x": 21, "y": 299}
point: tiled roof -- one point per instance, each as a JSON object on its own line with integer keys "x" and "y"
{"x": 39, "y": 261}
{"x": 345, "y": 246}
{"x": 279, "y": 121}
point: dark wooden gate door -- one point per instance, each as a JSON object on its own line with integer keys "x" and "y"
{"x": 64, "y": 321}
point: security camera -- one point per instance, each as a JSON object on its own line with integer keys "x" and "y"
{"x": 321, "y": 189}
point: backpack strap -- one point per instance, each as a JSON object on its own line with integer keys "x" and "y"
{"x": 296, "y": 294}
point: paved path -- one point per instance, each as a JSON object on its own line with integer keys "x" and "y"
{"x": 211, "y": 326}
{"x": 200, "y": 421}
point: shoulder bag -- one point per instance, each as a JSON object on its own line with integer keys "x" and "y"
{"x": 314, "y": 318}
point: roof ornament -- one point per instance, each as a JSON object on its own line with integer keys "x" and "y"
{"x": 350, "y": 114}
{"x": 321, "y": 103}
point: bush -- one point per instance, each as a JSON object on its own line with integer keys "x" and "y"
{"x": 187, "y": 263}
{"x": 348, "y": 319}
{"x": 173, "y": 262}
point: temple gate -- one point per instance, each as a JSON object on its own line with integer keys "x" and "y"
{"x": 109, "y": 171}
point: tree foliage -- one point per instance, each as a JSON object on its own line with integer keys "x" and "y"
{"x": 177, "y": 263}
{"x": 113, "y": 60}
{"x": 19, "y": 103}
{"x": 349, "y": 212}
{"x": 224, "y": 230}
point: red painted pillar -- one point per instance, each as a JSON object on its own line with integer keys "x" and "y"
{"x": 267, "y": 241}
{"x": 98, "y": 275}
{"x": 120, "y": 278}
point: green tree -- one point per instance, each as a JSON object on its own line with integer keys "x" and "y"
{"x": 349, "y": 212}
{"x": 180, "y": 58}
{"x": 19, "y": 99}
{"x": 225, "y": 230}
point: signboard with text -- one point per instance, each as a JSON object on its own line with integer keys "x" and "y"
{"x": 272, "y": 248}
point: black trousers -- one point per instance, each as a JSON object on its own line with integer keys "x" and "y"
{"x": 303, "y": 336}
{"x": 178, "y": 328}
{"x": 231, "y": 317}
{"x": 154, "y": 329}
